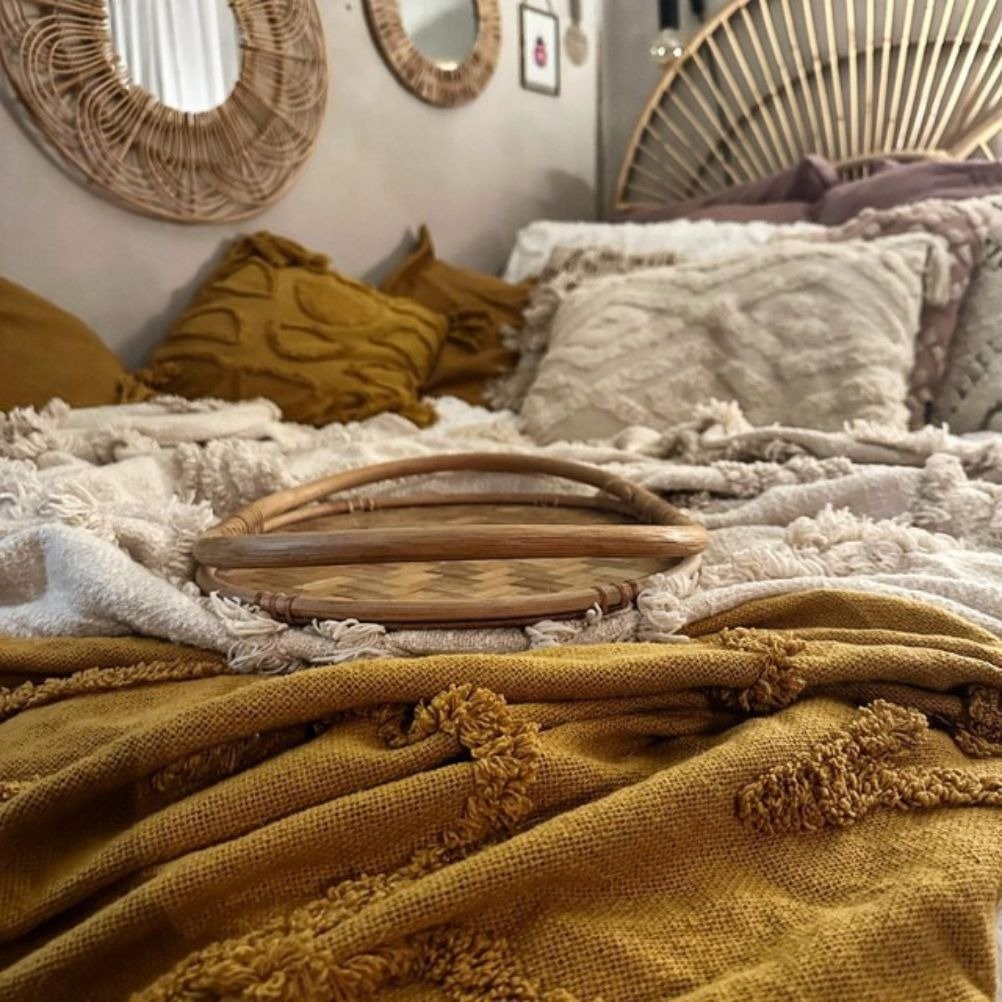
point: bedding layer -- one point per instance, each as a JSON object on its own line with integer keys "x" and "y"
{"x": 99, "y": 509}
{"x": 801, "y": 802}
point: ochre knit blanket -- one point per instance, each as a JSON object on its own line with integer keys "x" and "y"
{"x": 799, "y": 804}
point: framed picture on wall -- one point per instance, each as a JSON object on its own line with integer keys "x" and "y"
{"x": 540, "y": 34}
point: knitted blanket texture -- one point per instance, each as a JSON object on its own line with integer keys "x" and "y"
{"x": 799, "y": 803}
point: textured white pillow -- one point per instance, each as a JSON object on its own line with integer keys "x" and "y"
{"x": 568, "y": 269}
{"x": 798, "y": 332}
{"x": 694, "y": 239}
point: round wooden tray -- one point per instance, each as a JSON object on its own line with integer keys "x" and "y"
{"x": 432, "y": 560}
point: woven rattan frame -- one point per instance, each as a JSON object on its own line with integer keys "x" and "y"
{"x": 421, "y": 76}
{"x": 766, "y": 81}
{"x": 226, "y": 163}
{"x": 664, "y": 541}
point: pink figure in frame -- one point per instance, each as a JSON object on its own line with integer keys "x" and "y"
{"x": 540, "y": 53}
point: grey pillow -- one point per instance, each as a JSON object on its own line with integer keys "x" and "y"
{"x": 970, "y": 395}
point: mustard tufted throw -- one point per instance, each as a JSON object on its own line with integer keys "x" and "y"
{"x": 274, "y": 321}
{"x": 800, "y": 804}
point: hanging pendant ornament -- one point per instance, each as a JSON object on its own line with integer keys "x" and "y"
{"x": 575, "y": 39}
{"x": 667, "y": 48}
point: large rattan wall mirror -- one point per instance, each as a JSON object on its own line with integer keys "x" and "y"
{"x": 443, "y": 51}
{"x": 190, "y": 110}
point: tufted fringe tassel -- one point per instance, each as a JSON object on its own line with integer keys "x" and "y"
{"x": 26, "y": 433}
{"x": 210, "y": 765}
{"x": 352, "y": 640}
{"x": 661, "y": 605}
{"x": 778, "y": 684}
{"x": 552, "y": 633}
{"x": 187, "y": 521}
{"x": 979, "y": 734}
{"x": 847, "y": 775}
{"x": 242, "y": 619}
{"x": 466, "y": 965}
{"x": 290, "y": 958}
{"x": 256, "y": 646}
{"x": 32, "y": 694}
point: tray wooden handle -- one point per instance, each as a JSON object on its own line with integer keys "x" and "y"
{"x": 244, "y": 541}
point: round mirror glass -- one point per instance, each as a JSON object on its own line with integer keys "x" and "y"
{"x": 186, "y": 53}
{"x": 444, "y": 31}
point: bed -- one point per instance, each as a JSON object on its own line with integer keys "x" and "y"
{"x": 772, "y": 776}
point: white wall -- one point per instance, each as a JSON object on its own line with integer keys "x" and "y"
{"x": 385, "y": 163}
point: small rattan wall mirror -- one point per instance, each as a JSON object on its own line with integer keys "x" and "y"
{"x": 191, "y": 110}
{"x": 443, "y": 51}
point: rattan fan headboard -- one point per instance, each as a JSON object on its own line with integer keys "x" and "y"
{"x": 766, "y": 81}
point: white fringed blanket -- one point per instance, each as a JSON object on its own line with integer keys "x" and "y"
{"x": 99, "y": 509}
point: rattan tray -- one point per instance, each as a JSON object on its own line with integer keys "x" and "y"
{"x": 435, "y": 559}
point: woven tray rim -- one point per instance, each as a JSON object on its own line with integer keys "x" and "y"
{"x": 293, "y": 607}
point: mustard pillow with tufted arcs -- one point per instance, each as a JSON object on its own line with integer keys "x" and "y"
{"x": 274, "y": 321}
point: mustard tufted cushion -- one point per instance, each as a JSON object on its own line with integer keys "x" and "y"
{"x": 50, "y": 353}
{"x": 478, "y": 306}
{"x": 274, "y": 321}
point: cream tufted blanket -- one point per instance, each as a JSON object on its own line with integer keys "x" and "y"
{"x": 99, "y": 509}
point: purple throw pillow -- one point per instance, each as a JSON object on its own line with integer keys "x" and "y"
{"x": 907, "y": 183}
{"x": 798, "y": 186}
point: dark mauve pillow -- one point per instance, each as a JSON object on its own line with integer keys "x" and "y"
{"x": 907, "y": 183}
{"x": 792, "y": 189}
